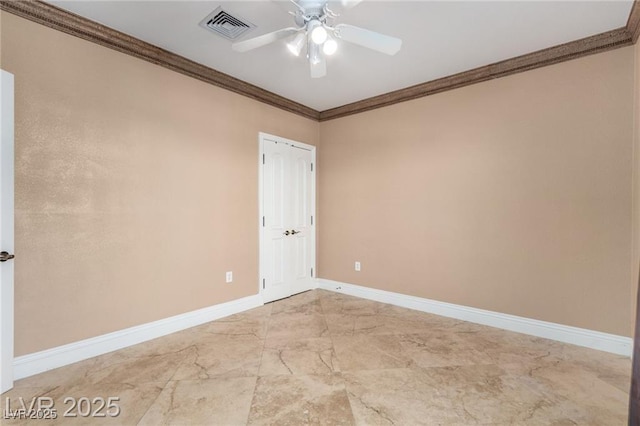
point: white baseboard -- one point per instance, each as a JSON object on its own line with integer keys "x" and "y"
{"x": 577, "y": 336}
{"x": 38, "y": 362}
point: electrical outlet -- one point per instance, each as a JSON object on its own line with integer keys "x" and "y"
{"x": 229, "y": 276}
{"x": 358, "y": 266}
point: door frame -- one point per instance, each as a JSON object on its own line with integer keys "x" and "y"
{"x": 262, "y": 137}
{"x": 7, "y": 239}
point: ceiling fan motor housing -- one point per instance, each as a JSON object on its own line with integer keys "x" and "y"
{"x": 303, "y": 17}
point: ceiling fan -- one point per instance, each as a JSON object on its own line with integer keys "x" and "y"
{"x": 314, "y": 30}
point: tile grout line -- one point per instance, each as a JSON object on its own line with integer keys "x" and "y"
{"x": 333, "y": 349}
{"x": 264, "y": 344}
{"x": 161, "y": 391}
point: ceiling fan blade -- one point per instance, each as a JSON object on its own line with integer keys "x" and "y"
{"x": 370, "y": 39}
{"x": 254, "y": 43}
{"x": 319, "y": 69}
{"x": 348, "y": 4}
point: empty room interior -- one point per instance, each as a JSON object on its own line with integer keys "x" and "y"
{"x": 311, "y": 212}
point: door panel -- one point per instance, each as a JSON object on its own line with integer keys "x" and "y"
{"x": 287, "y": 247}
{"x": 6, "y": 231}
{"x": 299, "y": 181}
{"x": 302, "y": 212}
{"x": 278, "y": 191}
{"x": 276, "y": 199}
{"x": 279, "y": 275}
{"x": 300, "y": 256}
{"x": 634, "y": 394}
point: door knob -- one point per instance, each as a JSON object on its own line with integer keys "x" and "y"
{"x": 286, "y": 232}
{"x": 294, "y": 232}
{"x": 4, "y": 256}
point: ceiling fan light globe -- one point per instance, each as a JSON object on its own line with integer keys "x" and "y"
{"x": 292, "y": 49}
{"x": 329, "y": 47}
{"x": 295, "y": 46}
{"x": 319, "y": 35}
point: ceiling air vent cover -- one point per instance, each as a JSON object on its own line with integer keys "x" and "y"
{"x": 228, "y": 26}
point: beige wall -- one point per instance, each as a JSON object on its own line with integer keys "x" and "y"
{"x": 512, "y": 195}
{"x": 136, "y": 188}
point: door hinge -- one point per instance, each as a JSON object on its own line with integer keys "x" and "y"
{"x": 312, "y": 272}
{"x": 263, "y": 283}
{"x": 262, "y": 158}
{"x": 263, "y": 221}
{"x": 311, "y": 166}
{"x": 311, "y": 220}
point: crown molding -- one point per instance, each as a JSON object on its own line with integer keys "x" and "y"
{"x": 70, "y": 23}
{"x": 587, "y": 46}
{"x": 633, "y": 23}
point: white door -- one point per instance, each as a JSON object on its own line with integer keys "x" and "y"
{"x": 6, "y": 231}
{"x": 287, "y": 210}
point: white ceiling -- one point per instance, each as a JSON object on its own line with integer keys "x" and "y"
{"x": 440, "y": 38}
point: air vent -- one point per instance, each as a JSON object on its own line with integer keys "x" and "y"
{"x": 225, "y": 24}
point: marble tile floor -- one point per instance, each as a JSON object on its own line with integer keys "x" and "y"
{"x": 325, "y": 358}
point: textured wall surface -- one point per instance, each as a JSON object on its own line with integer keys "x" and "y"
{"x": 136, "y": 188}
{"x": 512, "y": 195}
